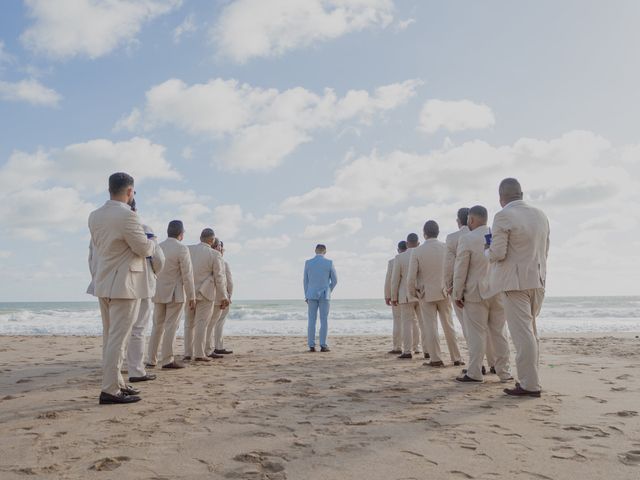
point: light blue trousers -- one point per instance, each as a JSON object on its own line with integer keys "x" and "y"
{"x": 314, "y": 306}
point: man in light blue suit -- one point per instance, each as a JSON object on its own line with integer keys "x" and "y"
{"x": 319, "y": 281}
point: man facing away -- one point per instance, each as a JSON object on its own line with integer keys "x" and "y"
{"x": 518, "y": 256}
{"x": 319, "y": 280}
{"x": 174, "y": 287}
{"x": 218, "y": 344}
{"x": 211, "y": 287}
{"x": 426, "y": 282}
{"x": 401, "y": 297}
{"x": 121, "y": 248}
{"x": 483, "y": 314}
{"x": 395, "y": 309}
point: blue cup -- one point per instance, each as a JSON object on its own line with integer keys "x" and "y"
{"x": 149, "y": 235}
{"x": 487, "y": 238}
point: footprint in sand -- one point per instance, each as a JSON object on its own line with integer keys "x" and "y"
{"x": 108, "y": 463}
{"x": 632, "y": 457}
{"x": 567, "y": 453}
{"x": 595, "y": 399}
{"x": 624, "y": 413}
{"x": 266, "y": 467}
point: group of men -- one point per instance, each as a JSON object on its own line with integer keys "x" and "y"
{"x": 133, "y": 275}
{"x": 494, "y": 277}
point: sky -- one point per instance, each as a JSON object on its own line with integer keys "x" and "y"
{"x": 285, "y": 123}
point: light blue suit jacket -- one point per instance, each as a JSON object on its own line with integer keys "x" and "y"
{"x": 320, "y": 278}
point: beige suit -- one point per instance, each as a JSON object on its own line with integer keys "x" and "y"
{"x": 407, "y": 304}
{"x": 175, "y": 279}
{"x": 483, "y": 315}
{"x": 395, "y": 309}
{"x": 449, "y": 261}
{"x": 211, "y": 287}
{"x": 518, "y": 257}
{"x": 214, "y": 330}
{"x": 119, "y": 281}
{"x": 426, "y": 282}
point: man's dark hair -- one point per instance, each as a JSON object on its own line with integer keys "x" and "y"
{"x": 321, "y": 247}
{"x": 412, "y": 238}
{"x": 431, "y": 229}
{"x": 402, "y": 245}
{"x": 463, "y": 215}
{"x": 480, "y": 212}
{"x": 119, "y": 182}
{"x": 175, "y": 228}
{"x": 206, "y": 234}
{"x": 221, "y": 244}
{"x": 133, "y": 205}
{"x": 215, "y": 243}
{"x": 510, "y": 188}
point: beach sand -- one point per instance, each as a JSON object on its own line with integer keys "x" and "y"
{"x": 274, "y": 411}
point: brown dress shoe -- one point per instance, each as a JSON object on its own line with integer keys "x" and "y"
{"x": 173, "y": 365}
{"x": 186, "y": 358}
{"x": 405, "y": 356}
{"x": 520, "y": 392}
{"x": 201, "y": 359}
{"x": 215, "y": 355}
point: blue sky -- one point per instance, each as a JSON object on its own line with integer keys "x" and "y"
{"x": 285, "y": 123}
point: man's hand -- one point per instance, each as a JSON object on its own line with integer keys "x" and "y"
{"x": 387, "y": 301}
{"x": 460, "y": 303}
{"x": 192, "y": 304}
{"x": 449, "y": 290}
{"x": 306, "y": 300}
{"x": 224, "y": 304}
{"x": 394, "y": 303}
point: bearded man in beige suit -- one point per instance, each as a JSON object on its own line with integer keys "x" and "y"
{"x": 221, "y": 314}
{"x": 174, "y": 287}
{"x": 483, "y": 314}
{"x": 211, "y": 287}
{"x": 518, "y": 256}
{"x": 426, "y": 282}
{"x": 121, "y": 248}
{"x": 407, "y": 303}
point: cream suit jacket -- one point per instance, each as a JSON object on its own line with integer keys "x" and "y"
{"x": 399, "y": 279}
{"x": 452, "y": 241}
{"x": 519, "y": 248}
{"x": 387, "y": 279}
{"x": 208, "y": 272}
{"x": 471, "y": 269}
{"x": 120, "y": 250}
{"x": 176, "y": 277}
{"x": 227, "y": 274}
{"x": 426, "y": 271}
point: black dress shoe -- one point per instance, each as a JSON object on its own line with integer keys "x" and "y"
{"x": 434, "y": 364}
{"x": 129, "y": 390}
{"x": 173, "y": 365}
{"x": 325, "y": 349}
{"x": 418, "y": 352}
{"x": 394, "y": 352}
{"x": 484, "y": 370}
{"x": 427, "y": 356}
{"x": 108, "y": 399}
{"x": 145, "y": 378}
{"x": 405, "y": 355}
{"x": 150, "y": 365}
{"x": 312, "y": 349}
{"x": 224, "y": 351}
{"x": 215, "y": 355}
{"x": 520, "y": 392}
{"x": 493, "y": 370}
{"x": 186, "y": 358}
{"x": 467, "y": 379}
{"x": 458, "y": 363}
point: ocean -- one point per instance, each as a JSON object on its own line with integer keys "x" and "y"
{"x": 347, "y": 317}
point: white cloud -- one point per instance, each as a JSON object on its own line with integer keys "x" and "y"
{"x": 227, "y": 220}
{"x": 267, "y": 220}
{"x": 455, "y": 116}
{"x": 188, "y": 26}
{"x": 331, "y": 231}
{"x": 268, "y": 243}
{"x": 30, "y": 91}
{"x": 90, "y": 28}
{"x": 4, "y": 254}
{"x": 404, "y": 24}
{"x": 5, "y": 57}
{"x": 263, "y": 126}
{"x": 380, "y": 243}
{"x": 255, "y": 28}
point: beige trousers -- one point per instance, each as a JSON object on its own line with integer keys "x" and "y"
{"x": 195, "y": 328}
{"x": 166, "y": 320}
{"x": 218, "y": 344}
{"x": 409, "y": 312}
{"x": 118, "y": 317}
{"x": 430, "y": 311}
{"x": 211, "y": 325}
{"x": 135, "y": 348}
{"x": 521, "y": 307}
{"x": 485, "y": 321}
{"x": 491, "y": 361}
{"x": 397, "y": 327}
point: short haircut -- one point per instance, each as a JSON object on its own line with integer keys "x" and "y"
{"x": 412, "y": 238}
{"x": 215, "y": 243}
{"x": 206, "y": 234}
{"x": 119, "y": 182}
{"x": 175, "y": 228}
{"x": 431, "y": 229}
{"x": 321, "y": 248}
{"x": 480, "y": 212}
{"x": 402, "y": 245}
{"x": 463, "y": 213}
{"x": 221, "y": 244}
{"x": 133, "y": 205}
{"x": 510, "y": 188}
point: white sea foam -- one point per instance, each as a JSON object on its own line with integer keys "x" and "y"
{"x": 348, "y": 317}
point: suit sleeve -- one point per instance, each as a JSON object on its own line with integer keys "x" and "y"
{"x": 395, "y": 280}
{"x": 186, "y": 270}
{"x": 387, "y": 280}
{"x": 333, "y": 277}
{"x": 305, "y": 279}
{"x": 227, "y": 272}
{"x": 92, "y": 264}
{"x": 461, "y": 270}
{"x": 412, "y": 275}
{"x": 136, "y": 238}
{"x": 499, "y": 238}
{"x": 546, "y": 255}
{"x": 220, "y": 278}
{"x": 157, "y": 261}
{"x": 449, "y": 262}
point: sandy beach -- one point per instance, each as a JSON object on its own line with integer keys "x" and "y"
{"x": 274, "y": 411}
